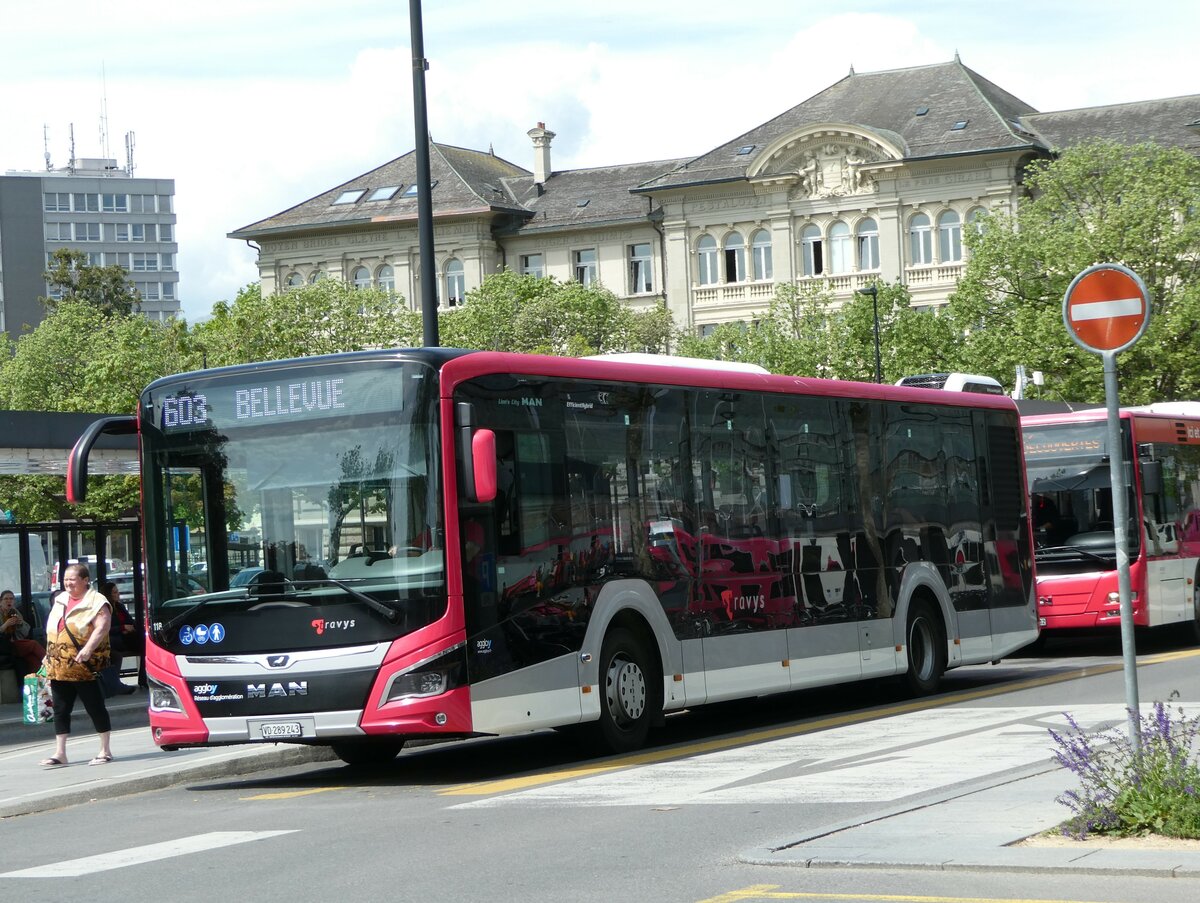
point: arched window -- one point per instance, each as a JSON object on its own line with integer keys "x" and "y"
{"x": 839, "y": 248}
{"x": 810, "y": 242}
{"x": 735, "y": 258}
{"x": 760, "y": 250}
{"x": 361, "y": 277}
{"x": 949, "y": 237}
{"x": 974, "y": 218}
{"x": 455, "y": 282}
{"x": 920, "y": 234}
{"x": 385, "y": 278}
{"x": 294, "y": 279}
{"x": 315, "y": 276}
{"x": 868, "y": 245}
{"x": 706, "y": 259}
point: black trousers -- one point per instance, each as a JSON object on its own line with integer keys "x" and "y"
{"x": 63, "y": 693}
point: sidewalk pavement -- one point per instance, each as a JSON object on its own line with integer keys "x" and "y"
{"x": 137, "y": 765}
{"x": 974, "y": 826}
{"x": 979, "y": 827}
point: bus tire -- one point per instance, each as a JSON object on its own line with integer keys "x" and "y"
{"x": 630, "y": 692}
{"x": 1192, "y": 628}
{"x": 924, "y": 648}
{"x": 367, "y": 753}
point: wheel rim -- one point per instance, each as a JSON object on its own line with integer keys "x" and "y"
{"x": 625, "y": 689}
{"x": 920, "y": 648}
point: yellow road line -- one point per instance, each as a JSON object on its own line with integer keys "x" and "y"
{"x": 505, "y": 785}
{"x": 772, "y": 892}
{"x": 289, "y": 794}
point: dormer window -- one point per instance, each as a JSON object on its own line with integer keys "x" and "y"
{"x": 350, "y": 197}
{"x": 384, "y": 194}
{"x": 411, "y": 190}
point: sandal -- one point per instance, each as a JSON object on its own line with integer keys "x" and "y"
{"x": 100, "y": 760}
{"x": 52, "y": 762}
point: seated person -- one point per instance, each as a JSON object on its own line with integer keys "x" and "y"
{"x": 13, "y": 627}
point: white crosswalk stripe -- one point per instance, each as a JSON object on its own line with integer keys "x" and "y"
{"x": 153, "y": 852}
{"x": 875, "y": 761}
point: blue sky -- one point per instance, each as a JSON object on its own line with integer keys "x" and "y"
{"x": 256, "y": 105}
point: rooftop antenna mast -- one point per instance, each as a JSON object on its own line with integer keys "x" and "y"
{"x": 71, "y": 162}
{"x": 130, "y": 143}
{"x": 103, "y": 113}
{"x": 46, "y": 147}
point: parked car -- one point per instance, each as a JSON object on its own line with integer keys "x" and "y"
{"x": 185, "y": 586}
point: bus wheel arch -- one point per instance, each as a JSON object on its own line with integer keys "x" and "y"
{"x": 924, "y": 644}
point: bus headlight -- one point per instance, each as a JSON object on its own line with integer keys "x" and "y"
{"x": 431, "y": 677}
{"x": 163, "y": 698}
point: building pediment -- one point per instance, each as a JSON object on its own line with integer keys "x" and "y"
{"x": 827, "y": 160}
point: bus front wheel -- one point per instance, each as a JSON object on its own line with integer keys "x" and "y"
{"x": 630, "y": 691}
{"x": 362, "y": 753}
{"x": 925, "y": 648}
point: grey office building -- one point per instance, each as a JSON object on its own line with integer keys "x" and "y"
{"x": 96, "y": 207}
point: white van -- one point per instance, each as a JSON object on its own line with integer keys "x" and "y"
{"x": 953, "y": 382}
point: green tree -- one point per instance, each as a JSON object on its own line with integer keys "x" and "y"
{"x": 322, "y": 318}
{"x": 106, "y": 288}
{"x": 516, "y": 312}
{"x": 82, "y": 358}
{"x": 1100, "y": 202}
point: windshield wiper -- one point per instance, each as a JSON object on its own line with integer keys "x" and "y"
{"x": 209, "y": 597}
{"x": 1084, "y": 553}
{"x": 382, "y": 608}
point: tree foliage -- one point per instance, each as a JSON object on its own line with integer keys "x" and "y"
{"x": 106, "y": 288}
{"x": 535, "y": 315}
{"x": 803, "y": 334}
{"x": 83, "y": 358}
{"x": 322, "y": 318}
{"x": 1099, "y": 202}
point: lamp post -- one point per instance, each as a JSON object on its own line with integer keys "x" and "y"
{"x": 873, "y": 291}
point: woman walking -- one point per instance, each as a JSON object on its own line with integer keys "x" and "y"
{"x": 76, "y": 651}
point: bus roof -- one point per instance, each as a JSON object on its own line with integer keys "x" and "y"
{"x": 656, "y": 372}
{"x": 1185, "y": 410}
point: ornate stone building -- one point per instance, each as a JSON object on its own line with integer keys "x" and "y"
{"x": 873, "y": 178}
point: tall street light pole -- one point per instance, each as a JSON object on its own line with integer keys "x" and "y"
{"x": 428, "y": 271}
{"x": 873, "y": 291}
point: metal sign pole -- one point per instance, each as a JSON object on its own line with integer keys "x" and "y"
{"x": 1120, "y": 505}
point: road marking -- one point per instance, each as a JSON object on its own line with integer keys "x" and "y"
{"x": 772, "y": 892}
{"x": 507, "y": 785}
{"x": 153, "y": 852}
{"x": 288, "y": 794}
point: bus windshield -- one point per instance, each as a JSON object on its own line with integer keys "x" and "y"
{"x": 1071, "y": 493}
{"x": 293, "y": 507}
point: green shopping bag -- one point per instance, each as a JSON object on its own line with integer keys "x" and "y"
{"x": 36, "y": 706}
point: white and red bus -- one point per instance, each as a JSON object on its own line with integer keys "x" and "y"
{"x": 1067, "y": 457}
{"x": 470, "y": 543}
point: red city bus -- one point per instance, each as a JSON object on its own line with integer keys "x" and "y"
{"x": 471, "y": 543}
{"x": 1067, "y": 460}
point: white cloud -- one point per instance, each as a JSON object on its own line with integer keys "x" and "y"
{"x": 256, "y": 105}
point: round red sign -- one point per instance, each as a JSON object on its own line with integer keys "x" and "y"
{"x": 1106, "y": 308}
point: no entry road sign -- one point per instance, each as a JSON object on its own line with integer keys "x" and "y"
{"x": 1106, "y": 308}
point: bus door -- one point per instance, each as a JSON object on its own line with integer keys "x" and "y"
{"x": 1168, "y": 595}
{"x": 741, "y": 602}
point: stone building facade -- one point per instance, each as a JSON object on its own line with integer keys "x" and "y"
{"x": 873, "y": 179}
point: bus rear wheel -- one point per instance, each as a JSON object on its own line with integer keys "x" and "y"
{"x": 630, "y": 692}
{"x": 925, "y": 648}
{"x": 367, "y": 753}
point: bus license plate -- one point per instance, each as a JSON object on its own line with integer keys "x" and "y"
{"x": 283, "y": 730}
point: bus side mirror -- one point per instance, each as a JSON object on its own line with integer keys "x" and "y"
{"x": 483, "y": 454}
{"x": 77, "y": 463}
{"x": 1152, "y": 477}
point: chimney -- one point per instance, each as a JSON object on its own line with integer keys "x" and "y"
{"x": 541, "y": 152}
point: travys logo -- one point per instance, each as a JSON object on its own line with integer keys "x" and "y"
{"x": 320, "y": 625}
